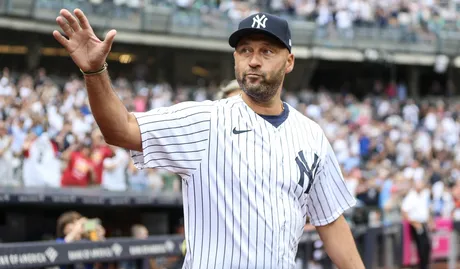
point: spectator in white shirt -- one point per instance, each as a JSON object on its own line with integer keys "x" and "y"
{"x": 114, "y": 174}
{"x": 6, "y": 158}
{"x": 411, "y": 112}
{"x": 416, "y": 210}
{"x": 344, "y": 23}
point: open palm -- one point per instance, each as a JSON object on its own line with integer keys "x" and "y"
{"x": 87, "y": 51}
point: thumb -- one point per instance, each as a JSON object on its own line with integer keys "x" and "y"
{"x": 108, "y": 41}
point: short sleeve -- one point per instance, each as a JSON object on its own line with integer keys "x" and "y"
{"x": 329, "y": 196}
{"x": 174, "y": 138}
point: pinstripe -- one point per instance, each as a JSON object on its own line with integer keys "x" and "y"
{"x": 175, "y": 136}
{"x": 233, "y": 199}
{"x": 175, "y": 127}
{"x": 270, "y": 193}
{"x": 163, "y": 110}
{"x": 175, "y": 119}
{"x": 225, "y": 175}
{"x": 263, "y": 201}
{"x": 249, "y": 203}
{"x": 241, "y": 207}
{"x": 255, "y": 195}
{"x": 282, "y": 223}
{"x": 195, "y": 218}
{"x": 325, "y": 198}
{"x": 202, "y": 216}
{"x": 217, "y": 200}
{"x": 209, "y": 195}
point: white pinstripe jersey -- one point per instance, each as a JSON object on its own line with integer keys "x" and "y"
{"x": 247, "y": 185}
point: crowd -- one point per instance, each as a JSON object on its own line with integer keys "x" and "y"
{"x": 48, "y": 138}
{"x": 384, "y": 142}
{"x": 412, "y": 20}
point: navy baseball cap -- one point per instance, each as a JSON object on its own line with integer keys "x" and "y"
{"x": 263, "y": 23}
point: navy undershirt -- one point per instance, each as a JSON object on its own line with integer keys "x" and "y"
{"x": 278, "y": 119}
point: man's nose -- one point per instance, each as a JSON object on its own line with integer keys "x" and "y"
{"x": 255, "y": 62}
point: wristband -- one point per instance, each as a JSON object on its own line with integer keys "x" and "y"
{"x": 104, "y": 68}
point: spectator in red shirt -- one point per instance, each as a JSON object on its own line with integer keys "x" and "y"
{"x": 80, "y": 170}
{"x": 100, "y": 152}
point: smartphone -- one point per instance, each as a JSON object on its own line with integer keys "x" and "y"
{"x": 91, "y": 224}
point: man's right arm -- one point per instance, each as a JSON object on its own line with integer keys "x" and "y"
{"x": 118, "y": 126}
{"x": 89, "y": 53}
{"x": 181, "y": 141}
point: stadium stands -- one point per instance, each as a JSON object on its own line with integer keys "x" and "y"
{"x": 382, "y": 142}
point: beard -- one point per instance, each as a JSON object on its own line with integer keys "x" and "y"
{"x": 265, "y": 88}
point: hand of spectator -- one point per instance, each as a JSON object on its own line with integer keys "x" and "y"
{"x": 77, "y": 231}
{"x": 87, "y": 51}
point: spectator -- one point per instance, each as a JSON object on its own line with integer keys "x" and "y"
{"x": 416, "y": 210}
{"x": 114, "y": 174}
{"x": 137, "y": 179}
{"x": 6, "y": 158}
{"x": 73, "y": 227}
{"x": 100, "y": 151}
{"x": 79, "y": 170}
{"x": 41, "y": 167}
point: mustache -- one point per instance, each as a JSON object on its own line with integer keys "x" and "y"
{"x": 251, "y": 72}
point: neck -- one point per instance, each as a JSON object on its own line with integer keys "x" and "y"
{"x": 273, "y": 107}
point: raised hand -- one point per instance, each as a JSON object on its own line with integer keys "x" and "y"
{"x": 87, "y": 51}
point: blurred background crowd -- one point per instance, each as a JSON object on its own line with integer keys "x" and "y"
{"x": 384, "y": 141}
{"x": 422, "y": 16}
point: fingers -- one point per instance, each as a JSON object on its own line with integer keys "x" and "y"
{"x": 60, "y": 38}
{"x": 108, "y": 41}
{"x": 72, "y": 21}
{"x": 64, "y": 26}
{"x": 84, "y": 23}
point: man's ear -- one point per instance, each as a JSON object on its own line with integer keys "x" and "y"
{"x": 290, "y": 63}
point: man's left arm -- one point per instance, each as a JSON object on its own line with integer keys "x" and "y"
{"x": 328, "y": 199}
{"x": 340, "y": 244}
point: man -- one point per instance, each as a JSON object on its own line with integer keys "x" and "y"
{"x": 252, "y": 166}
{"x": 416, "y": 210}
{"x": 230, "y": 90}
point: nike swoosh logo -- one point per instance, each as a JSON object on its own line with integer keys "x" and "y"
{"x": 235, "y": 131}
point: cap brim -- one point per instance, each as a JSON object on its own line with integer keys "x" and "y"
{"x": 237, "y": 35}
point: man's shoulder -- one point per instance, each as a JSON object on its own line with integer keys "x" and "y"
{"x": 305, "y": 120}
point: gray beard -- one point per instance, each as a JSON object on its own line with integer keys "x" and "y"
{"x": 262, "y": 93}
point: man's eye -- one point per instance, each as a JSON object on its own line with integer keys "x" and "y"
{"x": 245, "y": 50}
{"x": 267, "y": 52}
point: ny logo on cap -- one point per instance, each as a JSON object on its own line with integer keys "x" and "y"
{"x": 258, "y": 21}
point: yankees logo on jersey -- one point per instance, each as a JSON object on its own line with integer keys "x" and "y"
{"x": 306, "y": 169}
{"x": 248, "y": 185}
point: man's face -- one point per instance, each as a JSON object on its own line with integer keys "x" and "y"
{"x": 261, "y": 63}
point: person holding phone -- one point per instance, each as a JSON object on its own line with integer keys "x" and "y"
{"x": 72, "y": 227}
